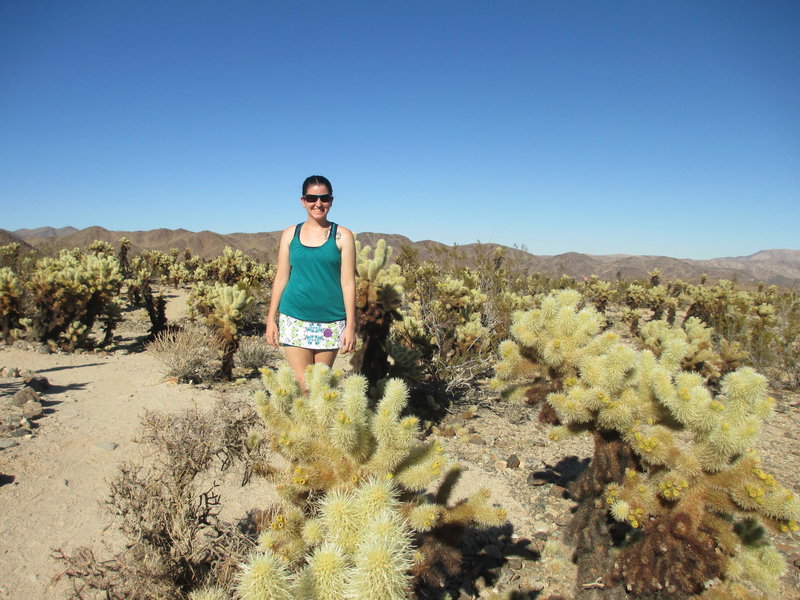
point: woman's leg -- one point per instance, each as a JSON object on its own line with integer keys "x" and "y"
{"x": 299, "y": 359}
{"x": 325, "y": 357}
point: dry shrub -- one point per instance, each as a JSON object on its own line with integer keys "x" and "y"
{"x": 254, "y": 353}
{"x": 176, "y": 541}
{"x": 190, "y": 354}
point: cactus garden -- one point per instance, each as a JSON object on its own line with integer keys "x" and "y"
{"x": 497, "y": 434}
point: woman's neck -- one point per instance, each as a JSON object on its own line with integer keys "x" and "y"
{"x": 318, "y": 224}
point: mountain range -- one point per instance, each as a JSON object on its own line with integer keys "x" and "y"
{"x": 779, "y": 267}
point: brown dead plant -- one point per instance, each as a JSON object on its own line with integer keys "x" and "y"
{"x": 170, "y": 517}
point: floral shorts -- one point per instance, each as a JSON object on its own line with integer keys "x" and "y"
{"x": 310, "y": 334}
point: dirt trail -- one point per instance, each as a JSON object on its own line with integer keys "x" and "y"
{"x": 60, "y": 475}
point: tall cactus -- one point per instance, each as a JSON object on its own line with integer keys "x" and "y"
{"x": 379, "y": 294}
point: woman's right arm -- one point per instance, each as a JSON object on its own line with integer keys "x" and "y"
{"x": 278, "y": 285}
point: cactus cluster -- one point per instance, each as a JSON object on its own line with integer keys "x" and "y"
{"x": 673, "y": 458}
{"x": 68, "y": 294}
{"x": 221, "y": 307}
{"x": 354, "y": 511}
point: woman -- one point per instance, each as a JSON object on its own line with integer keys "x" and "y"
{"x": 312, "y": 312}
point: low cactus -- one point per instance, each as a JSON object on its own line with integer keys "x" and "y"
{"x": 10, "y": 303}
{"x": 353, "y": 511}
{"x": 69, "y": 293}
{"x": 221, "y": 307}
{"x": 672, "y": 455}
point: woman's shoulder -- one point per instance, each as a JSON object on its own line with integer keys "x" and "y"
{"x": 343, "y": 231}
{"x": 287, "y": 234}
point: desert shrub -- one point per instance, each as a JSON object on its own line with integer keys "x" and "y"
{"x": 672, "y": 460}
{"x": 176, "y": 542}
{"x": 254, "y": 353}
{"x": 191, "y": 353}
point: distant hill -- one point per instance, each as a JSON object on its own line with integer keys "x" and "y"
{"x": 44, "y": 232}
{"x": 780, "y": 267}
{"x": 6, "y": 237}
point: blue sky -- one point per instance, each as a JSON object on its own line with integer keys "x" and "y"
{"x": 641, "y": 127}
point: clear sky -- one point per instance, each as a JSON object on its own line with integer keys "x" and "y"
{"x": 640, "y": 127}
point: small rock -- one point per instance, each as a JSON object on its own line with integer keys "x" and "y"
{"x": 9, "y": 372}
{"x": 37, "y": 382}
{"x": 512, "y": 462}
{"x": 534, "y": 479}
{"x": 11, "y": 419}
{"x": 475, "y": 438}
{"x": 21, "y": 432}
{"x": 515, "y": 564}
{"x": 109, "y": 446}
{"x": 23, "y": 396}
{"x": 535, "y": 585}
{"x": 32, "y": 410}
{"x": 7, "y": 443}
{"x": 558, "y": 491}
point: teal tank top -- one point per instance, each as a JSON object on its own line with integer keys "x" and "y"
{"x": 314, "y": 289}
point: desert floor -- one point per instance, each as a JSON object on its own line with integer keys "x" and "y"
{"x": 53, "y": 482}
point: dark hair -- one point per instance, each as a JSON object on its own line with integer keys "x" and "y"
{"x": 317, "y": 180}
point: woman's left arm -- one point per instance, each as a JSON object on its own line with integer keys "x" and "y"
{"x": 348, "y": 280}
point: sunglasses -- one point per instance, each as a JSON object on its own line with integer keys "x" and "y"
{"x": 312, "y": 198}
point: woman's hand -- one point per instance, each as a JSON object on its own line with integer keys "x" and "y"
{"x": 272, "y": 333}
{"x": 348, "y": 339}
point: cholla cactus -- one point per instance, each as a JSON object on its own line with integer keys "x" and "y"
{"x": 73, "y": 288}
{"x": 672, "y": 457}
{"x": 221, "y": 307}
{"x": 551, "y": 341}
{"x": 598, "y": 292}
{"x": 448, "y": 321}
{"x": 352, "y": 492}
{"x": 379, "y": 294}
{"x": 695, "y": 341}
{"x": 10, "y": 302}
{"x": 9, "y": 255}
{"x": 234, "y": 267}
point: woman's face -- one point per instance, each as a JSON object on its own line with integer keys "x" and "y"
{"x": 316, "y": 208}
